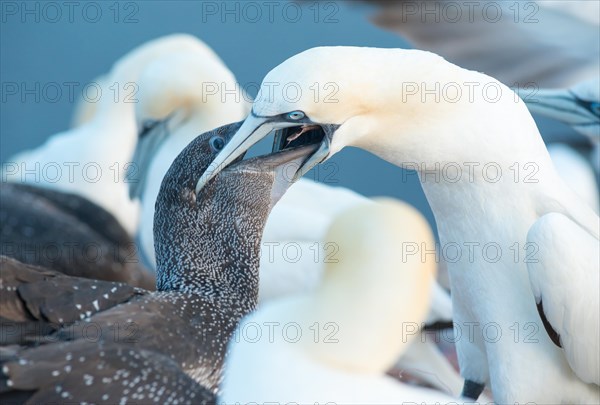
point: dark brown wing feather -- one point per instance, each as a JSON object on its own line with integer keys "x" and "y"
{"x": 49, "y": 232}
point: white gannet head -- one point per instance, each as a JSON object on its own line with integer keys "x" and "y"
{"x": 396, "y": 103}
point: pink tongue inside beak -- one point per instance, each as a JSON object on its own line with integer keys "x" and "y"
{"x": 304, "y": 129}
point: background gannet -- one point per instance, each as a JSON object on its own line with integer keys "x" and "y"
{"x": 295, "y": 252}
{"x": 354, "y": 313}
{"x": 408, "y": 121}
{"x": 175, "y": 338}
{"x": 174, "y": 92}
{"x": 91, "y": 160}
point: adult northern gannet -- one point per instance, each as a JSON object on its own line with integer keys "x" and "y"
{"x": 335, "y": 343}
{"x": 174, "y": 95}
{"x": 91, "y": 160}
{"x": 486, "y": 174}
{"x": 167, "y": 346}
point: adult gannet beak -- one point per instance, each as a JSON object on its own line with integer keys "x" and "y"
{"x": 289, "y": 135}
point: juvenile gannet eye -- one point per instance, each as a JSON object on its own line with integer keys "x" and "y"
{"x": 296, "y": 115}
{"x": 217, "y": 143}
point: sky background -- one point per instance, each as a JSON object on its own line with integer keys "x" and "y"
{"x": 42, "y": 45}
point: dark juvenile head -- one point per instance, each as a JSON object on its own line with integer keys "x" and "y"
{"x": 216, "y": 234}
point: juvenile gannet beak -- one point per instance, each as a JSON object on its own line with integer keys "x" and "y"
{"x": 252, "y": 131}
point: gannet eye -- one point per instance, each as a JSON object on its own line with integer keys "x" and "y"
{"x": 296, "y": 115}
{"x": 217, "y": 143}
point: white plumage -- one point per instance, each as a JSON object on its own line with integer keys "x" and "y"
{"x": 295, "y": 252}
{"x": 565, "y": 278}
{"x": 335, "y": 343}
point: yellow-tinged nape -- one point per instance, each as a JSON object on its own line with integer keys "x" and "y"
{"x": 375, "y": 295}
{"x": 404, "y": 105}
{"x": 189, "y": 81}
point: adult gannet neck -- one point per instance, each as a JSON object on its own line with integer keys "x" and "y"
{"x": 357, "y": 305}
{"x": 426, "y": 115}
{"x": 92, "y": 158}
{"x": 208, "y": 247}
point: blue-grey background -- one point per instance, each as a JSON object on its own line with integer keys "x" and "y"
{"x": 39, "y": 46}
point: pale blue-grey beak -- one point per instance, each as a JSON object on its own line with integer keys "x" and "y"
{"x": 251, "y": 132}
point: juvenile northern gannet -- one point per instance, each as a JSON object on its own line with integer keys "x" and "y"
{"x": 429, "y": 114}
{"x": 91, "y": 160}
{"x": 169, "y": 345}
{"x": 355, "y": 314}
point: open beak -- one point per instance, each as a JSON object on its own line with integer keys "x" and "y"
{"x": 256, "y": 128}
{"x": 324, "y": 135}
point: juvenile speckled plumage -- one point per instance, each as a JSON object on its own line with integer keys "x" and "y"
{"x": 207, "y": 276}
{"x": 67, "y": 233}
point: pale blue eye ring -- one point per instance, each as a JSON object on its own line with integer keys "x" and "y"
{"x": 217, "y": 143}
{"x": 296, "y": 115}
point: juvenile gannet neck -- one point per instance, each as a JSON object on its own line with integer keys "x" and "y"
{"x": 429, "y": 112}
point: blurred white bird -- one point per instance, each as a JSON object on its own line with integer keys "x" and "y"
{"x": 295, "y": 252}
{"x": 549, "y": 43}
{"x": 91, "y": 160}
{"x": 576, "y": 172}
{"x": 336, "y": 343}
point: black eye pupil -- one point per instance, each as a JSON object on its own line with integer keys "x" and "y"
{"x": 296, "y": 115}
{"x": 217, "y": 143}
